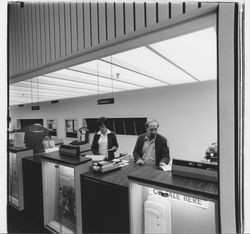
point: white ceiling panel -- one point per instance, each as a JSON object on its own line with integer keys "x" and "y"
{"x": 72, "y": 84}
{"x": 57, "y": 87}
{"x": 126, "y": 78}
{"x": 147, "y": 61}
{"x": 125, "y": 73}
{"x": 103, "y": 79}
{"x": 195, "y": 52}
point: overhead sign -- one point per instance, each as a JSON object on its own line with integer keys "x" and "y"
{"x": 105, "y": 101}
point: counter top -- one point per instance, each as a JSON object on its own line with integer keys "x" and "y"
{"x": 18, "y": 149}
{"x": 57, "y": 157}
{"x": 117, "y": 177}
{"x": 150, "y": 175}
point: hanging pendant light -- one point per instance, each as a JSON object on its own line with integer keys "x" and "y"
{"x": 107, "y": 100}
{"x": 37, "y": 107}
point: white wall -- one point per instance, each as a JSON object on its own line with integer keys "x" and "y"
{"x": 187, "y": 114}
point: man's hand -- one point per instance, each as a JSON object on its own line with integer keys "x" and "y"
{"x": 139, "y": 162}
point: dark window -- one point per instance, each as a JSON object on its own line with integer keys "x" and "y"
{"x": 119, "y": 126}
{"x": 140, "y": 125}
{"x": 110, "y": 125}
{"x": 92, "y": 125}
{"x": 129, "y": 126}
{"x": 28, "y": 122}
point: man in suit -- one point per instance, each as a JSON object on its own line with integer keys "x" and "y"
{"x": 151, "y": 146}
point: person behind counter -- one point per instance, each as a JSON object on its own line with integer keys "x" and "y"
{"x": 151, "y": 146}
{"x": 104, "y": 142}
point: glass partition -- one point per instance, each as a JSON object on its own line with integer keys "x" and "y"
{"x": 71, "y": 127}
{"x": 52, "y": 126}
{"x": 13, "y": 180}
{"x": 161, "y": 210}
{"x": 60, "y": 200}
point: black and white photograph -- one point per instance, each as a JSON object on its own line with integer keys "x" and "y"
{"x": 125, "y": 117}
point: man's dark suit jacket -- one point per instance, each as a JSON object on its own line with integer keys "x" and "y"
{"x": 161, "y": 149}
{"x": 112, "y": 141}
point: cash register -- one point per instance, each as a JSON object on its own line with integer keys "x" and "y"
{"x": 83, "y": 142}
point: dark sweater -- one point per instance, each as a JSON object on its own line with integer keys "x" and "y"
{"x": 161, "y": 149}
{"x": 112, "y": 141}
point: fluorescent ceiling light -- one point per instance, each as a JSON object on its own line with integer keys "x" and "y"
{"x": 195, "y": 52}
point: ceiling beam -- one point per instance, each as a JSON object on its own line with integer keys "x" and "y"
{"x": 65, "y": 86}
{"x": 104, "y": 77}
{"x": 51, "y": 87}
{"x": 28, "y": 95}
{"x": 135, "y": 71}
{"x": 18, "y": 88}
{"x": 171, "y": 62}
{"x": 47, "y": 94}
{"x": 82, "y": 82}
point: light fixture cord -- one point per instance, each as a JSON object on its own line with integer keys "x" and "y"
{"x": 111, "y": 61}
{"x": 31, "y": 91}
{"x": 37, "y": 91}
{"x": 98, "y": 78}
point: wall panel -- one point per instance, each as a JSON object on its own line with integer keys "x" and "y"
{"x": 176, "y": 9}
{"x": 151, "y": 13}
{"x": 57, "y": 30}
{"x": 129, "y": 16}
{"x": 43, "y": 34}
{"x": 102, "y": 22}
{"x": 42, "y": 20}
{"x": 87, "y": 36}
{"x": 12, "y": 47}
{"x": 163, "y": 11}
{"x": 23, "y": 50}
{"x": 67, "y": 28}
{"x": 110, "y": 20}
{"x": 19, "y": 51}
{"x": 94, "y": 24}
{"x": 80, "y": 39}
{"x": 139, "y": 16}
{"x": 227, "y": 125}
{"x": 119, "y": 19}
{"x": 47, "y": 31}
{"x": 208, "y": 4}
{"x": 34, "y": 34}
{"x": 62, "y": 29}
{"x": 73, "y": 26}
{"x": 190, "y": 6}
{"x": 38, "y": 35}
{"x": 30, "y": 40}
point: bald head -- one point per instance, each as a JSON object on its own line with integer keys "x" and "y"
{"x": 151, "y": 122}
{"x": 151, "y": 128}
